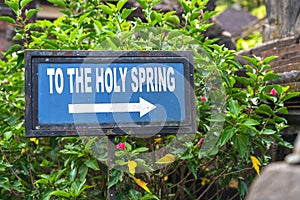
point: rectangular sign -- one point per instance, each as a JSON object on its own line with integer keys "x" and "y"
{"x": 109, "y": 92}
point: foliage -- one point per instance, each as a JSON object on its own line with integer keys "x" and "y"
{"x": 248, "y": 5}
{"x": 65, "y": 168}
{"x": 250, "y": 41}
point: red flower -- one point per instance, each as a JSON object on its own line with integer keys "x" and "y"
{"x": 121, "y": 145}
{"x": 202, "y": 98}
{"x": 273, "y": 92}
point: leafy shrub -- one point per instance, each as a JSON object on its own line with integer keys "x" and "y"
{"x": 66, "y": 168}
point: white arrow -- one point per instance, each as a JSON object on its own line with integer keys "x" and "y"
{"x": 143, "y": 107}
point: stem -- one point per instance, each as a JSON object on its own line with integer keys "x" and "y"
{"x": 211, "y": 184}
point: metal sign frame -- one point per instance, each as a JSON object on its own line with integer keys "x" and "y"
{"x": 35, "y": 129}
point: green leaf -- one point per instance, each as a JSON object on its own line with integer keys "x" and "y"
{"x": 60, "y": 193}
{"x": 121, "y": 3}
{"x": 242, "y": 80}
{"x": 264, "y": 109}
{"x": 250, "y": 122}
{"x": 73, "y": 174}
{"x": 7, "y": 19}
{"x": 31, "y": 13}
{"x": 83, "y": 170}
{"x": 115, "y": 177}
{"x": 60, "y": 3}
{"x": 154, "y": 2}
{"x": 241, "y": 143}
{"x": 7, "y": 135}
{"x": 13, "y": 5}
{"x": 106, "y": 9}
{"x": 4, "y": 183}
{"x": 139, "y": 150}
{"x": 126, "y": 12}
{"x": 269, "y": 59}
{"x": 235, "y": 63}
{"x": 51, "y": 42}
{"x": 268, "y": 132}
{"x": 194, "y": 15}
{"x": 282, "y": 110}
{"x": 142, "y": 3}
{"x": 234, "y": 107}
{"x": 291, "y": 95}
{"x": 253, "y": 61}
{"x": 98, "y": 26}
{"x": 174, "y": 19}
{"x": 149, "y": 197}
{"x": 185, "y": 6}
{"x": 12, "y": 49}
{"x": 193, "y": 168}
{"x": 225, "y": 136}
{"x": 242, "y": 187}
{"x": 12, "y": 120}
{"x": 271, "y": 76}
{"x": 208, "y": 15}
{"x": 92, "y": 164}
{"x": 24, "y": 3}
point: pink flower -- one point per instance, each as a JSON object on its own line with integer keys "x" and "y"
{"x": 200, "y": 142}
{"x": 202, "y": 98}
{"x": 273, "y": 92}
{"x": 201, "y": 13}
{"x": 121, "y": 145}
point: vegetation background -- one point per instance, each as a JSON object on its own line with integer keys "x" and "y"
{"x": 65, "y": 168}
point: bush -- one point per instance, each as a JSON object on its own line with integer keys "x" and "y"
{"x": 231, "y": 137}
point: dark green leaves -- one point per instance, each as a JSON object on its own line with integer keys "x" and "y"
{"x": 116, "y": 176}
{"x": 241, "y": 143}
{"x": 226, "y": 135}
{"x": 234, "y": 107}
{"x": 13, "y": 49}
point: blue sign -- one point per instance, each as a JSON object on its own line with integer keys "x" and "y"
{"x": 93, "y": 92}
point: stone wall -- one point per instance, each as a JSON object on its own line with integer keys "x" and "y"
{"x": 283, "y": 19}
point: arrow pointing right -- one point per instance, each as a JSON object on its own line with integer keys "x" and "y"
{"x": 143, "y": 107}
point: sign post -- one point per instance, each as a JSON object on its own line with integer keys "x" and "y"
{"x": 109, "y": 93}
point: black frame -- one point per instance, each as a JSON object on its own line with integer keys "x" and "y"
{"x": 34, "y": 57}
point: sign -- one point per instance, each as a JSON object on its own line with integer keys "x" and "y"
{"x": 109, "y": 92}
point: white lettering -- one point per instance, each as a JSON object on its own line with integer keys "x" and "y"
{"x": 134, "y": 85}
{"x": 149, "y": 75}
{"x": 123, "y": 77}
{"x": 108, "y": 85}
{"x": 162, "y": 79}
{"x": 142, "y": 78}
{"x": 99, "y": 79}
{"x": 116, "y": 86}
{"x": 79, "y": 81}
{"x": 50, "y": 73}
{"x": 71, "y": 72}
{"x": 59, "y": 87}
{"x": 87, "y": 80}
{"x": 171, "y": 80}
